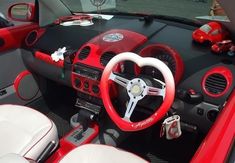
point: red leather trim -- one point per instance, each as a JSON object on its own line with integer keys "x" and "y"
{"x": 218, "y": 70}
{"x": 152, "y": 51}
{"x": 32, "y": 12}
{"x": 66, "y": 147}
{"x": 17, "y": 83}
{"x": 218, "y": 142}
{"x": 47, "y": 58}
{"x": 15, "y": 35}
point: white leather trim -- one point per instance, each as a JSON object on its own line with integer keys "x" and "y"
{"x": 25, "y": 131}
{"x": 97, "y": 153}
{"x": 13, "y": 158}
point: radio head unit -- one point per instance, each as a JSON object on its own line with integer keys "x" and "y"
{"x": 88, "y": 72}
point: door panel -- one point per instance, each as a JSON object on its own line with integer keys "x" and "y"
{"x": 13, "y": 37}
{"x": 11, "y": 63}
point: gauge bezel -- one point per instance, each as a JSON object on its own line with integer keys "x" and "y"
{"x": 152, "y": 51}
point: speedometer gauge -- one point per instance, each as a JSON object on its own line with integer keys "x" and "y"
{"x": 167, "y": 55}
{"x": 168, "y": 60}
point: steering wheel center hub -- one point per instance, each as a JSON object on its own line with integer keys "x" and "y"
{"x": 136, "y": 88}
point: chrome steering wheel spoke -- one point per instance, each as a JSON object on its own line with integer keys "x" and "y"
{"x": 130, "y": 108}
{"x": 153, "y": 91}
{"x": 119, "y": 80}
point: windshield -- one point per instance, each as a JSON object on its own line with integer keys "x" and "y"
{"x": 179, "y": 8}
{"x": 206, "y": 28}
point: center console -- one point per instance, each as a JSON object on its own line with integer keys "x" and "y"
{"x": 86, "y": 79}
{"x": 78, "y": 136}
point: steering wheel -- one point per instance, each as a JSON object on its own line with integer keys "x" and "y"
{"x": 137, "y": 89}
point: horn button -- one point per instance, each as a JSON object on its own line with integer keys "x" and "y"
{"x": 137, "y": 88}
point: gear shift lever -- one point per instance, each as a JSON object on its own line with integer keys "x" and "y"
{"x": 84, "y": 118}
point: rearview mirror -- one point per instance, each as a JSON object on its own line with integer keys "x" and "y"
{"x": 93, "y": 5}
{"x": 22, "y": 12}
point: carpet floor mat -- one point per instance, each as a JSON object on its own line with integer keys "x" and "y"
{"x": 149, "y": 146}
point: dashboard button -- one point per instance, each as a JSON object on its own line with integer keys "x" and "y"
{"x": 200, "y": 111}
{"x": 95, "y": 89}
{"x": 77, "y": 82}
{"x": 86, "y": 85}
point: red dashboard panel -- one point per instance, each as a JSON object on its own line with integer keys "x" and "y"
{"x": 115, "y": 41}
{"x": 86, "y": 85}
{"x": 128, "y": 41}
{"x": 47, "y": 58}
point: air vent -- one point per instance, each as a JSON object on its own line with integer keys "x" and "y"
{"x": 215, "y": 84}
{"x": 31, "y": 38}
{"x": 84, "y": 53}
{"x": 217, "y": 81}
{"x": 106, "y": 57}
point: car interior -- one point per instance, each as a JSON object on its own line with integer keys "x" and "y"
{"x": 103, "y": 86}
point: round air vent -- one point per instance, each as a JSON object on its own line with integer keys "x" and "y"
{"x": 31, "y": 38}
{"x": 217, "y": 81}
{"x": 106, "y": 57}
{"x": 84, "y": 53}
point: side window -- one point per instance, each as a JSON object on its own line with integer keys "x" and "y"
{"x": 215, "y": 32}
{"x": 4, "y": 22}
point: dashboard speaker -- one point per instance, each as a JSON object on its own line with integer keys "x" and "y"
{"x": 26, "y": 86}
{"x": 217, "y": 81}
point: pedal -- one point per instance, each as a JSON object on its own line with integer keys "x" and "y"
{"x": 171, "y": 127}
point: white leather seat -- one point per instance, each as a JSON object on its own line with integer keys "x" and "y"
{"x": 25, "y": 131}
{"x": 13, "y": 158}
{"x": 95, "y": 153}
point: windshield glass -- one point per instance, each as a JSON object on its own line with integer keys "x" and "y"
{"x": 179, "y": 8}
{"x": 205, "y": 28}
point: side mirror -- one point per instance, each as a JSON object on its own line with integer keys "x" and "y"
{"x": 22, "y": 12}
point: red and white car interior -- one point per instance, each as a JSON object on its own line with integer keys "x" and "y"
{"x": 107, "y": 98}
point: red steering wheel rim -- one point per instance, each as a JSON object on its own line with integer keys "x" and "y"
{"x": 159, "y": 113}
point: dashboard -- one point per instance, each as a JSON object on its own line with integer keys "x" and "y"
{"x": 203, "y": 80}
